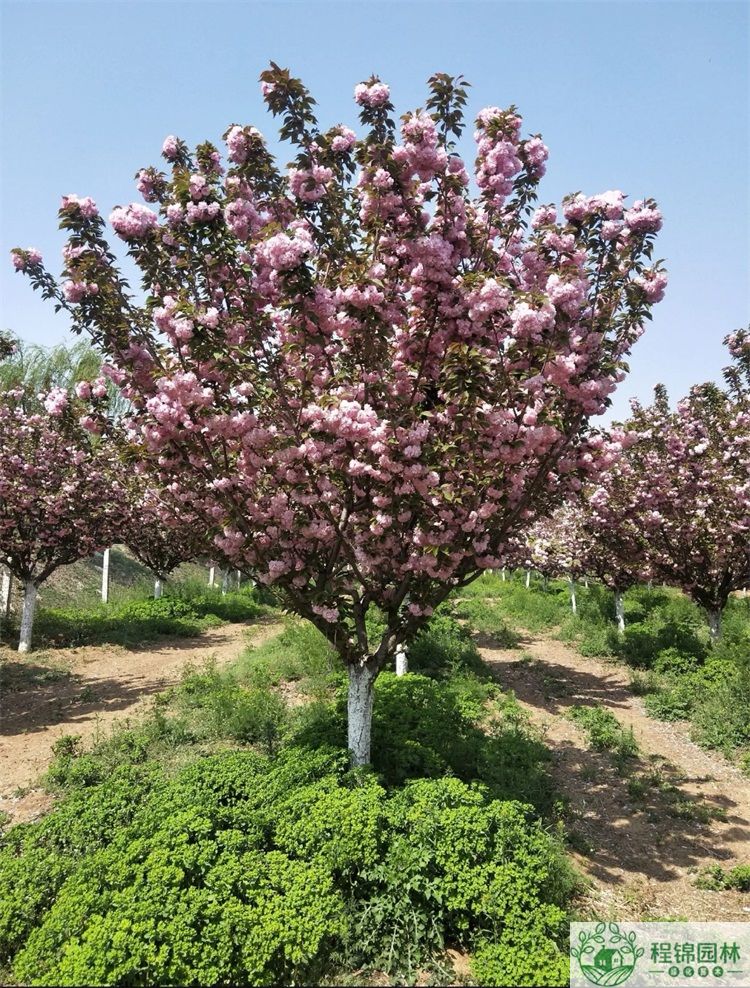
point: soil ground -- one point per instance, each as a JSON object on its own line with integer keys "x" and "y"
{"x": 82, "y": 691}
{"x": 644, "y": 828}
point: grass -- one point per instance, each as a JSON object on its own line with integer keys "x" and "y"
{"x": 184, "y": 611}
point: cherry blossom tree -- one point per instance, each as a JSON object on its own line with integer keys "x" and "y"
{"x": 60, "y": 497}
{"x": 594, "y": 535}
{"x": 557, "y": 546}
{"x": 693, "y": 468}
{"x": 363, "y": 378}
{"x": 678, "y": 501}
{"x": 159, "y": 537}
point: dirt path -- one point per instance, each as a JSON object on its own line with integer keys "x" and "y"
{"x": 643, "y": 831}
{"x": 83, "y": 690}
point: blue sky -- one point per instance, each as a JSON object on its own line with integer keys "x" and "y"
{"x": 649, "y": 97}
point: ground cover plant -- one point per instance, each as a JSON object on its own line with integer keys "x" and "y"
{"x": 226, "y": 807}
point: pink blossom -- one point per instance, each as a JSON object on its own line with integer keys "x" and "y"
{"x": 132, "y": 222}
{"x": 344, "y": 140}
{"x": 537, "y": 153}
{"x": 56, "y": 401}
{"x": 86, "y": 206}
{"x": 654, "y": 284}
{"x": 24, "y": 259}
{"x": 170, "y": 148}
{"x": 371, "y": 94}
{"x": 643, "y": 218}
{"x": 74, "y": 291}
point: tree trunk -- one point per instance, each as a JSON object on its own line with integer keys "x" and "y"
{"x": 6, "y": 588}
{"x": 528, "y": 578}
{"x": 620, "y": 612}
{"x": 157, "y": 589}
{"x": 224, "y": 580}
{"x": 586, "y": 582}
{"x": 573, "y": 602}
{"x": 402, "y": 661}
{"x": 359, "y": 712}
{"x": 105, "y": 577}
{"x": 714, "y": 624}
{"x": 211, "y": 575}
{"x": 27, "y": 616}
{"x": 239, "y": 578}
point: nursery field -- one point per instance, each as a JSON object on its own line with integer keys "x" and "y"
{"x": 532, "y": 767}
{"x": 349, "y": 633}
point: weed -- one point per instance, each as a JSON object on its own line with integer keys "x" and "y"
{"x": 604, "y": 731}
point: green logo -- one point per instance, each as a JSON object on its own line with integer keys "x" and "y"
{"x": 606, "y": 956}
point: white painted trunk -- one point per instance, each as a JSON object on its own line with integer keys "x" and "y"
{"x": 239, "y": 579}
{"x": 714, "y": 625}
{"x": 586, "y": 582}
{"x": 6, "y": 587}
{"x": 528, "y": 578}
{"x": 502, "y": 574}
{"x": 211, "y": 575}
{"x": 158, "y": 589}
{"x": 359, "y": 713}
{"x": 402, "y": 661}
{"x": 224, "y": 580}
{"x": 573, "y": 601}
{"x": 27, "y": 616}
{"x": 620, "y": 612}
{"x": 105, "y": 577}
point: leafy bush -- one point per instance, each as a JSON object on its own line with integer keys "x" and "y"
{"x": 456, "y": 864}
{"x": 715, "y": 879}
{"x": 445, "y": 648}
{"x": 529, "y": 955}
{"x": 296, "y": 865}
{"x": 715, "y": 697}
{"x": 300, "y": 652}
{"x": 219, "y": 707}
{"x": 430, "y": 728}
{"x": 36, "y": 859}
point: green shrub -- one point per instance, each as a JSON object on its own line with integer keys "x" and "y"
{"x": 295, "y": 865}
{"x": 217, "y": 706}
{"x": 604, "y": 731}
{"x": 299, "y": 653}
{"x": 429, "y": 728}
{"x": 673, "y": 701}
{"x": 35, "y": 859}
{"x": 530, "y": 956}
{"x": 178, "y": 613}
{"x": 455, "y": 864}
{"x": 445, "y": 648}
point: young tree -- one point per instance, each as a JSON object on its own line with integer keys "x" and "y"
{"x": 159, "y": 537}
{"x": 691, "y": 492}
{"x": 366, "y": 380}
{"x": 557, "y": 546}
{"x": 60, "y": 496}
